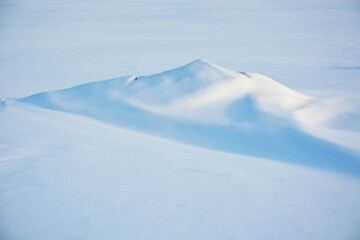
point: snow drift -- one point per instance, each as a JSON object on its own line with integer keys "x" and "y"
{"x": 199, "y": 91}
{"x": 85, "y": 172}
{"x": 206, "y": 105}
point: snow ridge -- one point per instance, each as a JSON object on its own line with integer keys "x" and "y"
{"x": 206, "y": 105}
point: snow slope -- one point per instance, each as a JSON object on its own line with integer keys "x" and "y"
{"x": 205, "y": 105}
{"x": 199, "y": 90}
{"x": 65, "y": 176}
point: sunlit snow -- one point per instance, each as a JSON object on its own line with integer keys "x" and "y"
{"x": 179, "y": 119}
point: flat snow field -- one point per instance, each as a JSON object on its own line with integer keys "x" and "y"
{"x": 65, "y": 176}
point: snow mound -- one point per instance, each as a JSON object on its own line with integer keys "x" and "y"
{"x": 66, "y": 168}
{"x": 206, "y": 105}
{"x": 200, "y": 91}
{"x": 203, "y": 91}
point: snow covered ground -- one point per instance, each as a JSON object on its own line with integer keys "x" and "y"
{"x": 195, "y": 152}
{"x": 72, "y": 166}
{"x": 205, "y": 105}
{"x": 64, "y": 176}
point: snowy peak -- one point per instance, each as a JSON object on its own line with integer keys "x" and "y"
{"x": 201, "y": 66}
{"x": 196, "y": 74}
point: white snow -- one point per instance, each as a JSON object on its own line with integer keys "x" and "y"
{"x": 189, "y": 91}
{"x": 64, "y": 176}
{"x": 204, "y": 93}
{"x": 67, "y": 176}
{"x": 196, "y": 152}
{"x": 311, "y": 45}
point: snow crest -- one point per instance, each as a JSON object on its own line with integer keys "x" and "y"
{"x": 209, "y": 106}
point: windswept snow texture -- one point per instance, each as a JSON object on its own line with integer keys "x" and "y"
{"x": 205, "y": 105}
{"x": 197, "y": 152}
{"x": 64, "y": 176}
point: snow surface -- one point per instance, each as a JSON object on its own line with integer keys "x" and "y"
{"x": 199, "y": 90}
{"x": 85, "y": 172}
{"x": 205, "y": 105}
{"x": 64, "y": 176}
